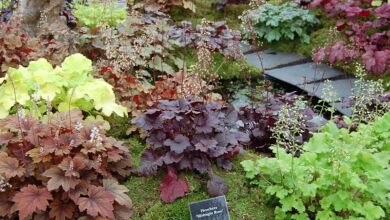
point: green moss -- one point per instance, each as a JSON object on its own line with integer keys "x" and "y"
{"x": 245, "y": 203}
{"x": 205, "y": 9}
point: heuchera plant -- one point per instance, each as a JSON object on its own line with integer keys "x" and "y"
{"x": 258, "y": 120}
{"x": 339, "y": 175}
{"x": 63, "y": 169}
{"x": 67, "y": 87}
{"x": 188, "y": 135}
{"x": 218, "y": 37}
{"x": 365, "y": 29}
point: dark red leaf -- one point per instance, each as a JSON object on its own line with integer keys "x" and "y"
{"x": 172, "y": 187}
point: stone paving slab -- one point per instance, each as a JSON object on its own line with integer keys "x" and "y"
{"x": 273, "y": 60}
{"x": 246, "y": 48}
{"x": 345, "y": 111}
{"x": 342, "y": 88}
{"x": 307, "y": 72}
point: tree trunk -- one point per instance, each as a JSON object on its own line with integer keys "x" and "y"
{"x": 38, "y": 15}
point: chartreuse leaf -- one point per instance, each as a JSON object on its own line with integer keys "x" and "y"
{"x": 69, "y": 86}
{"x": 339, "y": 175}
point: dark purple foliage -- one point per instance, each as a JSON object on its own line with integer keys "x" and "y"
{"x": 188, "y": 135}
{"x": 219, "y": 37}
{"x": 258, "y": 121}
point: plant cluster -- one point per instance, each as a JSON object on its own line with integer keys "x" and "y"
{"x": 217, "y": 35}
{"x": 65, "y": 168}
{"x": 262, "y": 121}
{"x": 7, "y": 8}
{"x": 188, "y": 135}
{"x": 165, "y": 5}
{"x": 339, "y": 175}
{"x": 364, "y": 34}
{"x": 96, "y": 15}
{"x": 280, "y": 22}
{"x": 66, "y": 87}
{"x": 17, "y": 48}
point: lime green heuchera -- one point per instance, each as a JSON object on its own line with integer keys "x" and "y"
{"x": 96, "y": 15}
{"x": 339, "y": 175}
{"x": 69, "y": 86}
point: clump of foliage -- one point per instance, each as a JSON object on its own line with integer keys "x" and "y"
{"x": 139, "y": 44}
{"x": 67, "y": 87}
{"x": 137, "y": 94}
{"x": 277, "y": 22}
{"x": 16, "y": 48}
{"x": 65, "y": 168}
{"x": 96, "y": 15}
{"x": 217, "y": 35}
{"x": 364, "y": 34}
{"x": 6, "y": 9}
{"x": 187, "y": 135}
{"x": 339, "y": 175}
{"x": 166, "y": 5}
{"x": 260, "y": 120}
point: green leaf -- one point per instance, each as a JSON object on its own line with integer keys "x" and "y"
{"x": 372, "y": 211}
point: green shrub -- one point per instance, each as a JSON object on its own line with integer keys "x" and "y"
{"x": 277, "y": 22}
{"x": 96, "y": 15}
{"x": 66, "y": 87}
{"x": 339, "y": 175}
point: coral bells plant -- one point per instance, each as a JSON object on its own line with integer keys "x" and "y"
{"x": 364, "y": 31}
{"x": 63, "y": 169}
{"x": 188, "y": 135}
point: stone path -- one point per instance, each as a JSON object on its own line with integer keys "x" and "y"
{"x": 302, "y": 73}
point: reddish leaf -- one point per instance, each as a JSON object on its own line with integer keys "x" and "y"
{"x": 119, "y": 192}
{"x": 216, "y": 186}
{"x": 59, "y": 179}
{"x": 122, "y": 212}
{"x": 61, "y": 210}
{"x": 31, "y": 198}
{"x": 9, "y": 166}
{"x": 99, "y": 202}
{"x": 172, "y": 187}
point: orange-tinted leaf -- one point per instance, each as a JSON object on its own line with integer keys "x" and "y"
{"x": 60, "y": 210}
{"x": 122, "y": 212}
{"x": 58, "y": 179}
{"x": 31, "y": 198}
{"x": 38, "y": 155}
{"x": 119, "y": 192}
{"x": 99, "y": 202}
{"x": 9, "y": 166}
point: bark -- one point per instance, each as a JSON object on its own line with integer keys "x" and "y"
{"x": 32, "y": 11}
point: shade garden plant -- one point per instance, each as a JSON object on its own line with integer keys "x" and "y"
{"x": 186, "y": 134}
{"x": 279, "y": 22}
{"x": 339, "y": 175}
{"x": 129, "y": 115}
{"x": 363, "y": 29}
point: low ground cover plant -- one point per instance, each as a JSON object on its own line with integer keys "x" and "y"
{"x": 188, "y": 135}
{"x": 63, "y": 168}
{"x": 260, "y": 119}
{"x": 363, "y": 30}
{"x": 279, "y": 22}
{"x": 96, "y": 15}
{"x": 339, "y": 174}
{"x": 66, "y": 87}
